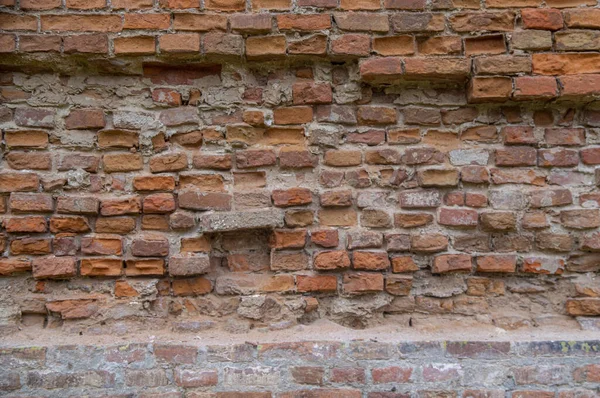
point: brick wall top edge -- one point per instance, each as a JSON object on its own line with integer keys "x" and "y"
{"x": 504, "y": 52}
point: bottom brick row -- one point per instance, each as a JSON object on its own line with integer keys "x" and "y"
{"x": 318, "y": 369}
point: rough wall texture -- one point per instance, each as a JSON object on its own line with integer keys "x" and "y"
{"x": 321, "y": 369}
{"x": 241, "y": 164}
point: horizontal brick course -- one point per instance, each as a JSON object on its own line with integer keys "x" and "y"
{"x": 311, "y": 368}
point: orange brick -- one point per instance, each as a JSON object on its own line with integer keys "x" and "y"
{"x": 179, "y": 43}
{"x": 135, "y": 45}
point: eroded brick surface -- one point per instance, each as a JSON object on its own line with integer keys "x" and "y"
{"x": 265, "y": 163}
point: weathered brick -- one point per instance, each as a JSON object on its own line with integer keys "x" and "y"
{"x": 451, "y": 263}
{"x": 362, "y": 283}
{"x": 101, "y": 267}
{"x": 265, "y": 47}
{"x": 54, "y": 267}
{"x": 316, "y": 283}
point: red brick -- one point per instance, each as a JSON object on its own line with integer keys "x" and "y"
{"x": 437, "y": 68}
{"x": 191, "y": 287}
{"x": 394, "y": 45}
{"x": 81, "y": 23}
{"x": 584, "y": 307}
{"x": 558, "y": 157}
{"x": 293, "y": 157}
{"x": 362, "y": 283}
{"x": 303, "y": 22}
{"x": 271, "y": 4}
{"x": 255, "y": 158}
{"x": 54, "y": 267}
{"x": 370, "y": 261}
{"x": 402, "y": 264}
{"x": 60, "y": 224}
{"x": 375, "y": 115}
{"x": 440, "y": 45}
{"x": 331, "y": 260}
{"x": 29, "y": 160}
{"x": 9, "y": 266}
{"x": 39, "y": 43}
{"x": 120, "y": 206}
{"x": 194, "y": 378}
{"x": 351, "y": 45}
{"x": 40, "y": 4}
{"x": 86, "y": 4}
{"x": 122, "y": 162}
{"x": 199, "y": 22}
{"x": 565, "y": 64}
{"x": 85, "y": 119}
{"x": 489, "y": 44}
{"x": 73, "y": 161}
{"x": 36, "y": 139}
{"x": 309, "y": 45}
{"x": 101, "y": 267}
{"x": 535, "y": 87}
{"x": 516, "y": 156}
{"x": 519, "y": 135}
{"x": 225, "y": 5}
{"x": 131, "y": 4}
{"x": 451, "y": 263}
{"x": 145, "y": 267}
{"x": 154, "y": 183}
{"x": 25, "y": 224}
{"x": 30, "y": 246}
{"x": 316, "y": 283}
{"x": 564, "y": 136}
{"x": 587, "y": 373}
{"x": 292, "y": 197}
{"x": 495, "y": 263}
{"x": 77, "y": 204}
{"x": 168, "y": 162}
{"x": 216, "y": 162}
{"x": 265, "y": 47}
{"x": 548, "y": 19}
{"x": 31, "y": 203}
{"x": 159, "y": 203}
{"x": 288, "y": 239}
{"x": 179, "y": 43}
{"x": 483, "y": 21}
{"x": 363, "y": 22}
{"x": 359, "y": 5}
{"x": 325, "y": 237}
{"x": 590, "y": 156}
{"x": 369, "y": 137}
{"x": 453, "y": 217}
{"x": 196, "y": 200}
{"x": 376, "y": 69}
{"x": 405, "y": 4}
{"x": 490, "y": 89}
{"x": 147, "y": 21}
{"x": 392, "y": 374}
{"x": 347, "y": 375}
{"x": 580, "y": 85}
{"x": 312, "y": 93}
{"x": 18, "y": 22}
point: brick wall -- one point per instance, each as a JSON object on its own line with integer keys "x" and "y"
{"x": 320, "y": 369}
{"x": 238, "y": 164}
